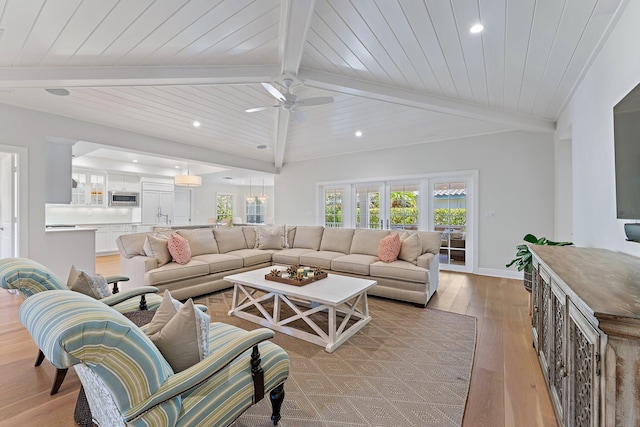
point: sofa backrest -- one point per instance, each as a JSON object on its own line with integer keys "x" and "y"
{"x": 365, "y": 241}
{"x": 200, "y": 240}
{"x": 131, "y": 245}
{"x": 230, "y": 239}
{"x": 431, "y": 241}
{"x": 336, "y": 239}
{"x": 308, "y": 237}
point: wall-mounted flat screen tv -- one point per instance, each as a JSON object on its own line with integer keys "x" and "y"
{"x": 626, "y": 129}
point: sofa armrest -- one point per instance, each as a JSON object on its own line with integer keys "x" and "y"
{"x": 432, "y": 263}
{"x": 135, "y": 267}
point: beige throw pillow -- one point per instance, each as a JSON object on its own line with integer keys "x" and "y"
{"x": 181, "y": 332}
{"x": 270, "y": 238}
{"x": 90, "y": 284}
{"x": 411, "y": 247}
{"x": 156, "y": 247}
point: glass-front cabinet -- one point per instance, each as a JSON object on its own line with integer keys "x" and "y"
{"x": 88, "y": 188}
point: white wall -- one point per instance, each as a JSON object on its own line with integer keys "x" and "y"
{"x": 614, "y": 72}
{"x": 516, "y": 181}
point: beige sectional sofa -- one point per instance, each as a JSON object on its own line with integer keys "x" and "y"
{"x": 216, "y": 253}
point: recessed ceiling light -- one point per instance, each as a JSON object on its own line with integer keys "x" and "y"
{"x": 177, "y": 167}
{"x": 476, "y": 28}
{"x": 134, "y": 161}
{"x": 261, "y": 147}
{"x": 358, "y": 133}
{"x": 57, "y": 91}
{"x": 196, "y": 124}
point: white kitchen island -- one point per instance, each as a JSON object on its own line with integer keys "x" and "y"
{"x": 67, "y": 246}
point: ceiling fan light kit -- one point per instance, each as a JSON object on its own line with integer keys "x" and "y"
{"x": 289, "y": 101}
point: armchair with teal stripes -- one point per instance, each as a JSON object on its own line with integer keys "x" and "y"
{"x": 29, "y": 277}
{"x": 127, "y": 380}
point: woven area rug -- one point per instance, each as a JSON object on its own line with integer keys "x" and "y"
{"x": 408, "y": 367}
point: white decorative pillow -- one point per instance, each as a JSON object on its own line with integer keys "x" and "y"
{"x": 411, "y": 247}
{"x": 270, "y": 238}
{"x": 180, "y": 331}
{"x": 90, "y": 284}
{"x": 156, "y": 247}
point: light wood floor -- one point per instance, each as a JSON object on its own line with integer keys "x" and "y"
{"x": 507, "y": 387}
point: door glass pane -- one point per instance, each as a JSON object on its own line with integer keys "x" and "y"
{"x": 224, "y": 207}
{"x": 368, "y": 207}
{"x": 450, "y": 217}
{"x": 255, "y": 212}
{"x": 333, "y": 198}
{"x": 403, "y": 210}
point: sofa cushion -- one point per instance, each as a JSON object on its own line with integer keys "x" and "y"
{"x": 91, "y": 284}
{"x": 131, "y": 245}
{"x": 155, "y": 246}
{"x": 389, "y": 247}
{"x": 366, "y": 241}
{"x": 229, "y": 239}
{"x": 308, "y": 236}
{"x": 252, "y": 256}
{"x": 220, "y": 262}
{"x": 250, "y": 237}
{"x": 270, "y": 238}
{"x": 320, "y": 259}
{"x": 289, "y": 256}
{"x": 291, "y": 234}
{"x": 200, "y": 240}
{"x": 411, "y": 247}
{"x": 179, "y": 249}
{"x": 174, "y": 271}
{"x": 400, "y": 270}
{"x": 336, "y": 239}
{"x": 183, "y": 334}
{"x": 353, "y": 263}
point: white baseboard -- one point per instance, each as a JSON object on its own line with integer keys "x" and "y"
{"x": 507, "y": 274}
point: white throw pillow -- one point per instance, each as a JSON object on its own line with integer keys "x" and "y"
{"x": 270, "y": 238}
{"x": 90, "y": 284}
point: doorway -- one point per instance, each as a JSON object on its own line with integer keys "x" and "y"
{"x": 8, "y": 205}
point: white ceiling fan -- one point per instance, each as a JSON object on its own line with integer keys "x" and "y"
{"x": 289, "y": 101}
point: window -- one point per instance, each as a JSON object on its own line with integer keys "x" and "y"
{"x": 333, "y": 198}
{"x": 255, "y": 212}
{"x": 403, "y": 207}
{"x": 224, "y": 207}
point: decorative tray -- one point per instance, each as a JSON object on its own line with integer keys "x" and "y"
{"x": 296, "y": 282}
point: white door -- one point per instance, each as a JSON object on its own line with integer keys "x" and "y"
{"x": 182, "y": 206}
{"x": 7, "y": 205}
{"x": 150, "y": 207}
{"x": 165, "y": 203}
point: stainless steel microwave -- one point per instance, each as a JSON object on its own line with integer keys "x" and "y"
{"x": 124, "y": 198}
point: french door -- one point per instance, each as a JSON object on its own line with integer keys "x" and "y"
{"x": 387, "y": 205}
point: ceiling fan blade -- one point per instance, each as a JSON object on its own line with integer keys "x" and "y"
{"x": 315, "y": 101}
{"x": 298, "y": 115}
{"x": 274, "y": 92}
{"x": 256, "y": 109}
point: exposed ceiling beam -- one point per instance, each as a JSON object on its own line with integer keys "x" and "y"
{"x": 350, "y": 86}
{"x": 282, "y": 131}
{"x": 295, "y": 20}
{"x": 294, "y": 24}
{"x": 133, "y": 76}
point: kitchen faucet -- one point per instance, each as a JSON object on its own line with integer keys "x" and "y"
{"x": 161, "y": 215}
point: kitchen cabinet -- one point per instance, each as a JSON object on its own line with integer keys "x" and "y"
{"x": 102, "y": 238}
{"x": 115, "y": 231}
{"x": 106, "y": 235}
{"x": 157, "y": 204}
{"x": 123, "y": 183}
{"x": 88, "y": 188}
{"x": 586, "y": 333}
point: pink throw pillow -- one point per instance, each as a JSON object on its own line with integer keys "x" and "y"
{"x": 179, "y": 249}
{"x": 389, "y": 248}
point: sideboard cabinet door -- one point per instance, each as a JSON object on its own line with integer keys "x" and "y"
{"x": 557, "y": 349}
{"x": 583, "y": 371}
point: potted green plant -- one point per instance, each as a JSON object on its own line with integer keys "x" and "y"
{"x": 523, "y": 256}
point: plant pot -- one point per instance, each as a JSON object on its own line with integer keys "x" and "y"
{"x": 528, "y": 281}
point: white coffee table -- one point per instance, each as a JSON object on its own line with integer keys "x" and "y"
{"x": 333, "y": 296}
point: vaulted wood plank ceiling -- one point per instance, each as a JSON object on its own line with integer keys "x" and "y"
{"x": 402, "y": 72}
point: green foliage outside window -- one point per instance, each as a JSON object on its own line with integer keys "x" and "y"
{"x": 444, "y": 216}
{"x": 224, "y": 207}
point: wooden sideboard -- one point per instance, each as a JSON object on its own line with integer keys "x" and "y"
{"x": 586, "y": 332}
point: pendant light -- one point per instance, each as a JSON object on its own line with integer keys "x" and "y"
{"x": 250, "y": 198}
{"x": 263, "y": 197}
{"x": 188, "y": 180}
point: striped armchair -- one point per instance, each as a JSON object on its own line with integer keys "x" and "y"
{"x": 128, "y": 382}
{"x": 29, "y": 277}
